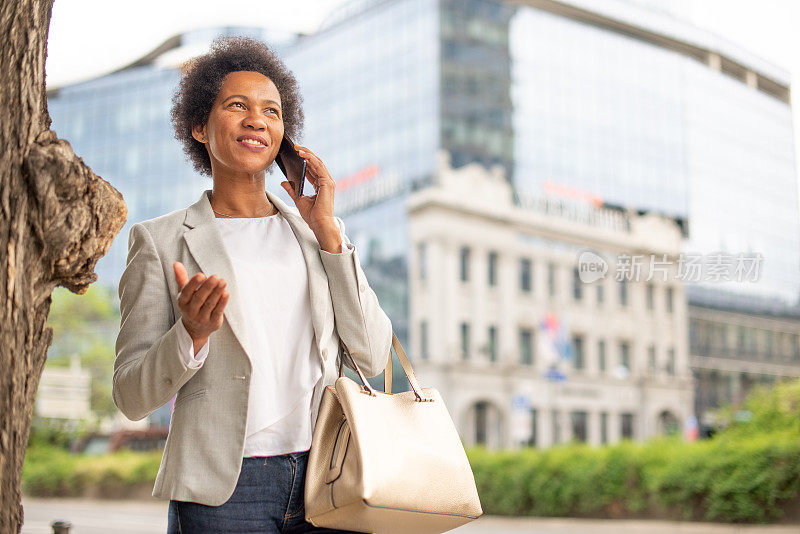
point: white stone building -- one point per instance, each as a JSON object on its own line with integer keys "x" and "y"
{"x": 485, "y": 271}
{"x": 64, "y": 392}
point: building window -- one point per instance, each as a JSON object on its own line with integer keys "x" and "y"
{"x": 481, "y": 422}
{"x": 423, "y": 261}
{"x": 551, "y": 279}
{"x": 625, "y": 355}
{"x": 465, "y": 341}
{"x": 534, "y": 417}
{"x": 787, "y": 346}
{"x": 600, "y": 289}
{"x": 650, "y": 291}
{"x": 671, "y": 362}
{"x": 670, "y": 295}
{"x": 578, "y": 420}
{"x": 769, "y": 343}
{"x": 724, "y": 333}
{"x": 603, "y": 427}
{"x": 740, "y": 339}
{"x": 492, "y": 269}
{"x": 493, "y": 343}
{"x": 752, "y": 341}
{"x": 601, "y": 355}
{"x": 577, "y": 346}
{"x": 778, "y": 351}
{"x": 577, "y": 285}
{"x": 525, "y": 274}
{"x": 627, "y": 426}
{"x": 464, "y": 264}
{"x": 423, "y": 339}
{"x": 526, "y": 346}
{"x": 623, "y": 292}
{"x": 651, "y": 359}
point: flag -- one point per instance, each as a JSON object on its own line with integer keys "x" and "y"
{"x": 692, "y": 429}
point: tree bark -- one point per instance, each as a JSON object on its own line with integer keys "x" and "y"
{"x": 57, "y": 219}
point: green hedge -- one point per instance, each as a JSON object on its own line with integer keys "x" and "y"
{"x": 54, "y": 472}
{"x": 749, "y": 472}
{"x": 746, "y": 480}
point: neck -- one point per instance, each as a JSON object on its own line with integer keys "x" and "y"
{"x": 241, "y": 200}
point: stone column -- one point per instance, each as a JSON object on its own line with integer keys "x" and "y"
{"x": 614, "y": 426}
{"x": 566, "y": 425}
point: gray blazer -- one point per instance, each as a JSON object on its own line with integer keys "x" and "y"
{"x": 203, "y": 453}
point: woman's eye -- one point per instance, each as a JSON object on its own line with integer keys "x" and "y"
{"x": 234, "y": 103}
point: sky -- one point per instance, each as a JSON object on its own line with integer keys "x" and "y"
{"x": 91, "y": 37}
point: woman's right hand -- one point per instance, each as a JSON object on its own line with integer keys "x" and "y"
{"x": 201, "y": 301}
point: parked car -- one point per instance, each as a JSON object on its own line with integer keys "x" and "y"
{"x": 153, "y": 438}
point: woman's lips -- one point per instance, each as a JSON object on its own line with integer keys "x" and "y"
{"x": 255, "y": 147}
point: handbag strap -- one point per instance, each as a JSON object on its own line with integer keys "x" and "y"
{"x": 387, "y": 372}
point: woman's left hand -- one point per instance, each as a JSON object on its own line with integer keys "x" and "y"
{"x": 316, "y": 209}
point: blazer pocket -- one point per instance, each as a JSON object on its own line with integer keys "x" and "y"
{"x": 188, "y": 396}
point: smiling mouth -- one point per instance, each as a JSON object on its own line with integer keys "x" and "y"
{"x": 252, "y": 142}
{"x": 253, "y": 145}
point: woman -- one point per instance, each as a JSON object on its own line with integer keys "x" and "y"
{"x": 231, "y": 302}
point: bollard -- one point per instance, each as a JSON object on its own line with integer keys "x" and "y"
{"x": 61, "y": 527}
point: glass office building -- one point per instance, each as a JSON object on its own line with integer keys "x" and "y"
{"x": 699, "y": 136}
{"x": 623, "y": 102}
{"x": 615, "y": 99}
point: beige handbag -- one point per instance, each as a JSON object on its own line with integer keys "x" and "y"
{"x": 387, "y": 463}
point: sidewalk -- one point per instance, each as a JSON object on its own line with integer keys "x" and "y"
{"x": 497, "y": 525}
{"x": 150, "y": 516}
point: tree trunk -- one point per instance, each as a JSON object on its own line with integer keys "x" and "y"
{"x": 57, "y": 218}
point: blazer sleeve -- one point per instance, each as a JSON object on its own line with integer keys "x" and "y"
{"x": 148, "y": 369}
{"x": 360, "y": 322}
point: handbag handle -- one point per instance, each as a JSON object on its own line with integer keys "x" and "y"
{"x": 387, "y": 372}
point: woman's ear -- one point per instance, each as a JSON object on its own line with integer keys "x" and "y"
{"x": 199, "y": 133}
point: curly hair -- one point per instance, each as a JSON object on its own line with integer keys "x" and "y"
{"x": 202, "y": 80}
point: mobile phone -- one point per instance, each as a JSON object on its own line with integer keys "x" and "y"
{"x": 291, "y": 165}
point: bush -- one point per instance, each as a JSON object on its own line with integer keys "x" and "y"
{"x": 748, "y": 472}
{"x": 54, "y": 432}
{"x": 754, "y": 477}
{"x": 48, "y": 471}
{"x": 501, "y": 477}
{"x": 53, "y": 472}
{"x": 769, "y": 410}
{"x": 748, "y": 480}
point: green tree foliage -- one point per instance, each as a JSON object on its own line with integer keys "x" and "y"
{"x": 99, "y": 359}
{"x": 765, "y": 410}
{"x": 78, "y": 319}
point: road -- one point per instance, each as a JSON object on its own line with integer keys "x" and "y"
{"x": 146, "y": 517}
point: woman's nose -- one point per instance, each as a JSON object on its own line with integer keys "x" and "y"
{"x": 256, "y": 120}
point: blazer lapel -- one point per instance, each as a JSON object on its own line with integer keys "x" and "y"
{"x": 205, "y": 244}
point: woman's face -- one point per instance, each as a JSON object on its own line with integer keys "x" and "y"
{"x": 248, "y": 106}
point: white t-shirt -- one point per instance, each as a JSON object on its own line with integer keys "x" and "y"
{"x": 272, "y": 281}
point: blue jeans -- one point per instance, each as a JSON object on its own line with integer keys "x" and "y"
{"x": 268, "y": 498}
